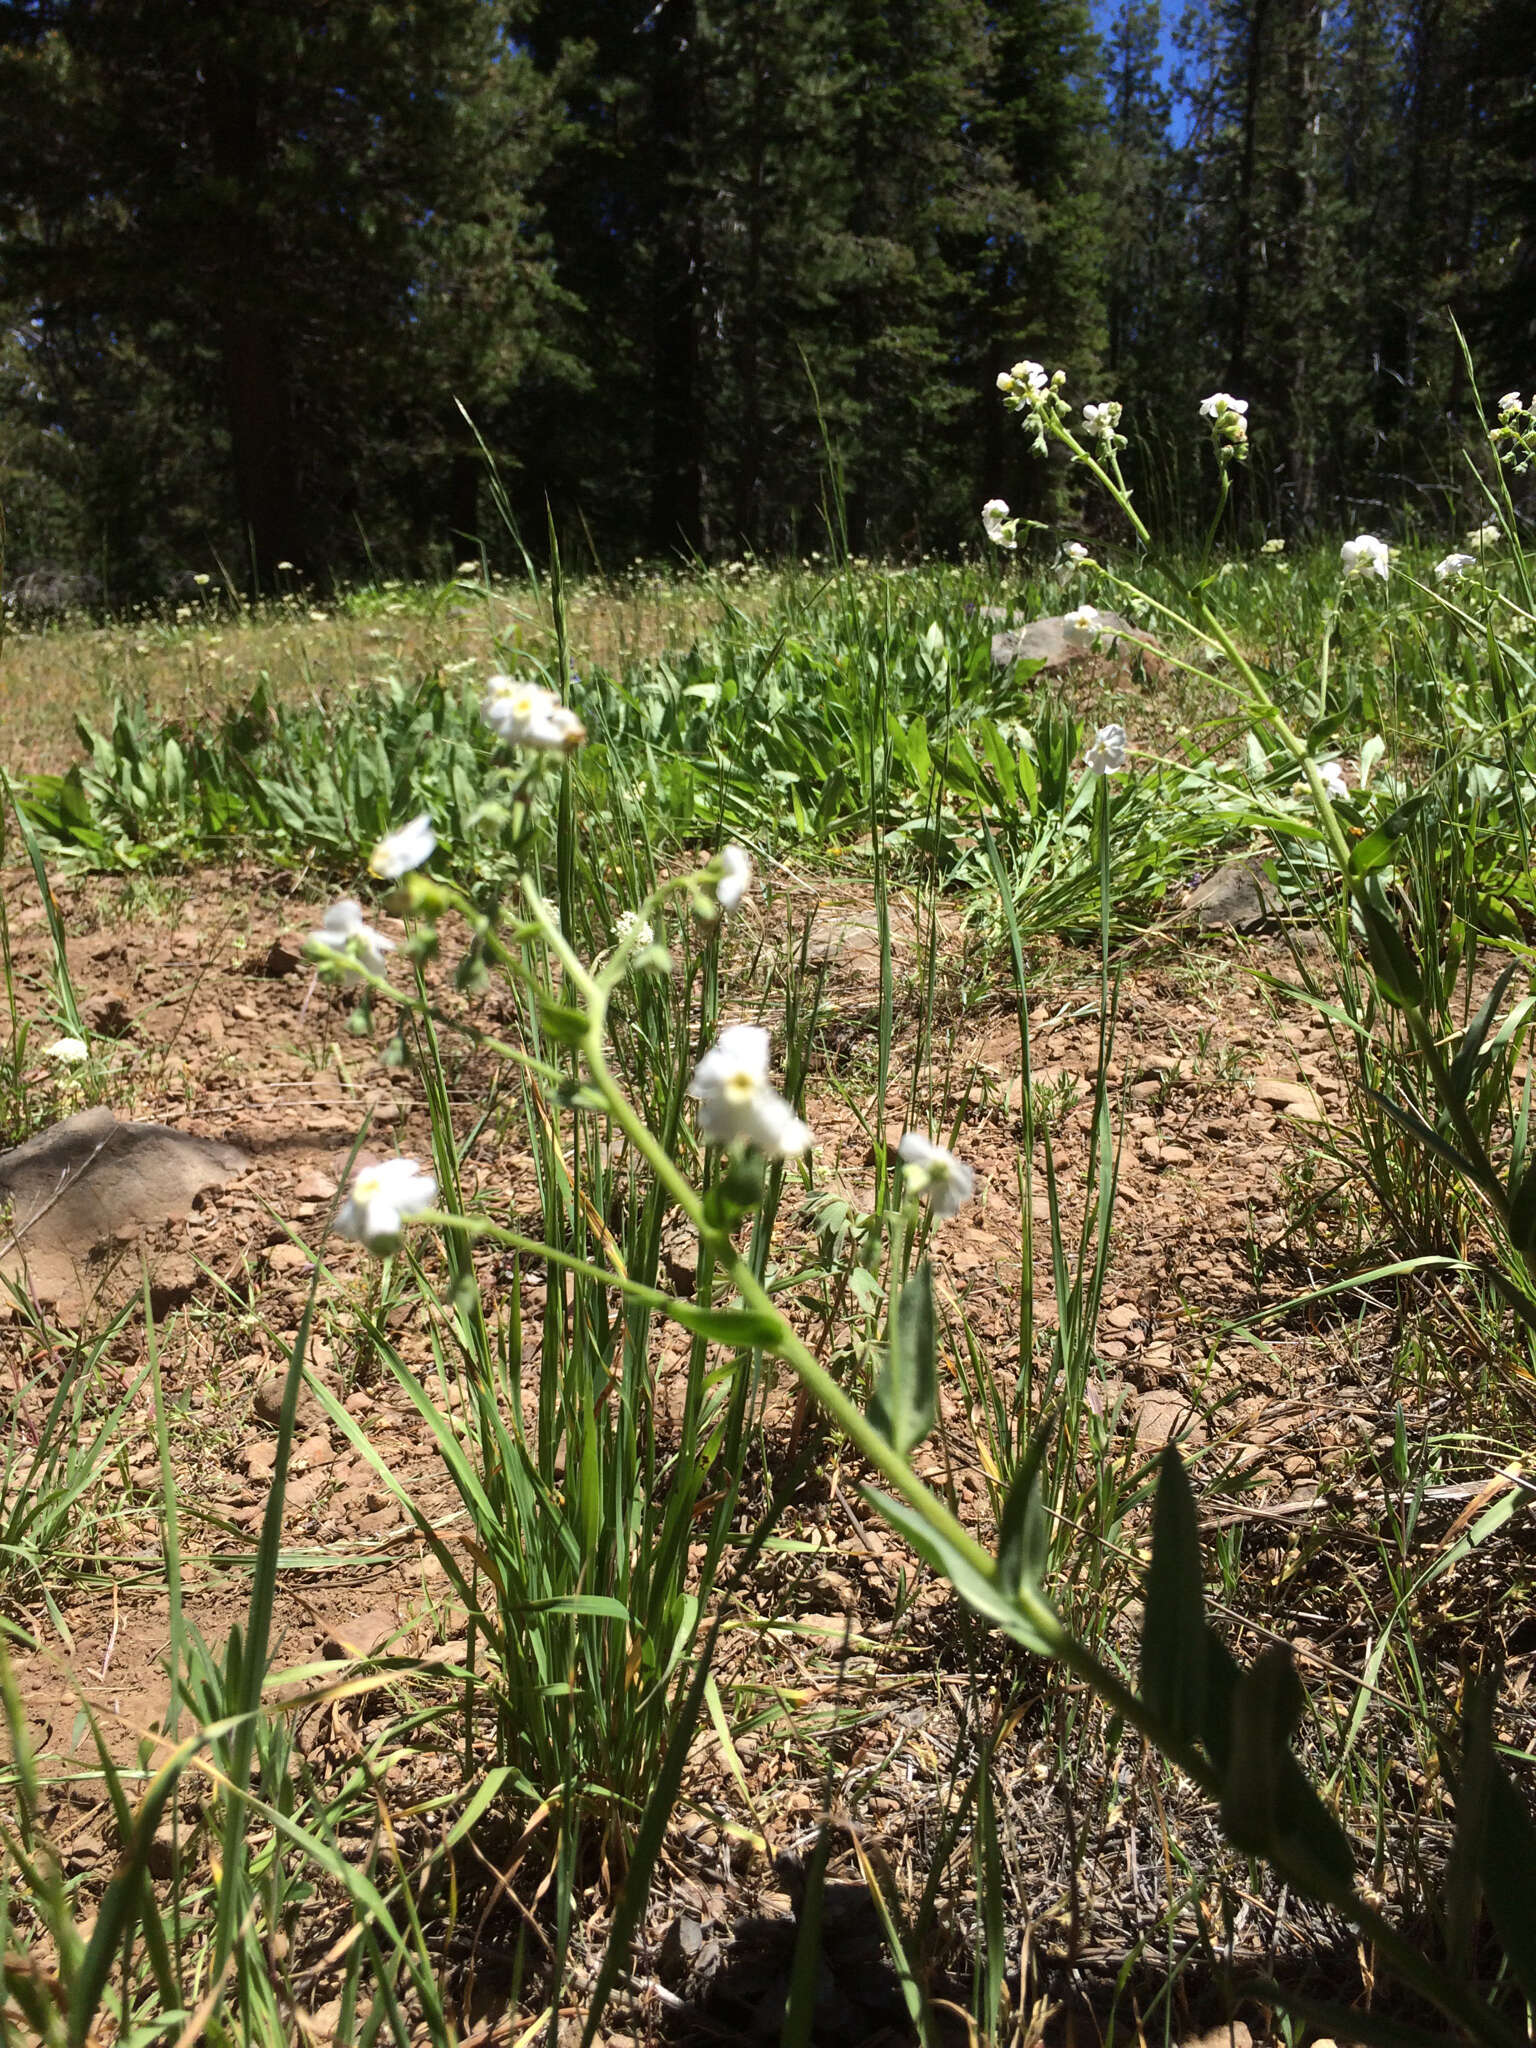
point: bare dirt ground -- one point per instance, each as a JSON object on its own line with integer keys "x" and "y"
{"x": 1224, "y": 1092}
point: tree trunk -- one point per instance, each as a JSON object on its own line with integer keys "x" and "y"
{"x": 255, "y": 376}
{"x": 676, "y": 495}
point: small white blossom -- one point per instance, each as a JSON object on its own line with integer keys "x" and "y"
{"x": 409, "y": 846}
{"x": 1107, "y": 754}
{"x": 946, "y": 1182}
{"x": 1365, "y": 555}
{"x": 737, "y": 1101}
{"x": 1510, "y": 402}
{"x": 733, "y": 865}
{"x": 1002, "y": 531}
{"x": 1219, "y": 404}
{"x": 1450, "y": 568}
{"x": 525, "y": 714}
{"x": 633, "y": 930}
{"x": 1331, "y": 776}
{"x": 1085, "y": 626}
{"x": 1273, "y": 547}
{"x": 1025, "y": 377}
{"x": 69, "y": 1052}
{"x": 1074, "y": 551}
{"x": 1482, "y": 537}
{"x": 345, "y": 937}
{"x": 381, "y": 1201}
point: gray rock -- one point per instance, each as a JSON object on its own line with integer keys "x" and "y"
{"x": 1234, "y": 897}
{"x": 81, "y": 1189}
{"x": 1048, "y": 642}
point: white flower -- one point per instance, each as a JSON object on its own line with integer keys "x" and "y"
{"x": 1002, "y": 531}
{"x": 344, "y": 936}
{"x": 525, "y": 714}
{"x": 1219, "y": 405}
{"x": 1484, "y": 537}
{"x": 631, "y": 929}
{"x": 1074, "y": 551}
{"x": 403, "y": 849}
{"x": 381, "y": 1201}
{"x": 1107, "y": 754}
{"x": 1027, "y": 376}
{"x": 1452, "y": 567}
{"x": 1365, "y": 556}
{"x": 68, "y": 1051}
{"x": 1331, "y": 776}
{"x": 737, "y": 1101}
{"x": 733, "y": 865}
{"x": 1084, "y": 626}
{"x": 947, "y": 1182}
{"x": 1510, "y": 402}
{"x": 1273, "y": 547}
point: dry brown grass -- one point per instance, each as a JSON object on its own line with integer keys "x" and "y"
{"x": 195, "y": 663}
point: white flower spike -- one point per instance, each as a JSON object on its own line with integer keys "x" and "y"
{"x": 738, "y": 1102}
{"x": 1107, "y": 754}
{"x": 1365, "y": 555}
{"x": 69, "y": 1052}
{"x": 411, "y": 846}
{"x": 1451, "y": 568}
{"x": 525, "y": 714}
{"x": 381, "y": 1201}
{"x": 345, "y": 937}
{"x": 946, "y": 1182}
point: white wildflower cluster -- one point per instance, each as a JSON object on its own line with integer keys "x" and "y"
{"x": 69, "y": 1052}
{"x": 1273, "y": 547}
{"x": 1027, "y": 389}
{"x": 1002, "y": 531}
{"x": 738, "y": 1104}
{"x": 1106, "y": 756}
{"x": 943, "y": 1181}
{"x": 1451, "y": 568}
{"x": 1365, "y": 555}
{"x": 525, "y": 714}
{"x": 1515, "y": 435}
{"x": 1229, "y": 426}
{"x": 1074, "y": 554}
{"x": 1482, "y": 538}
{"x": 1101, "y": 423}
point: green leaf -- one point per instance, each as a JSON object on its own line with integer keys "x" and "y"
{"x": 1509, "y": 1874}
{"x": 1463, "y": 1069}
{"x": 1393, "y": 966}
{"x": 1378, "y": 849}
{"x": 1024, "y": 1534}
{"x": 905, "y": 1402}
{"x": 564, "y": 1025}
{"x": 989, "y": 1599}
{"x": 1173, "y": 1628}
{"x": 1266, "y": 1704}
{"x": 743, "y": 1329}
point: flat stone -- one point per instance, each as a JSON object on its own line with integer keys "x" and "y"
{"x": 83, "y": 1187}
{"x": 362, "y": 1636}
{"x": 1291, "y": 1097}
{"x": 1161, "y": 1415}
{"x": 1234, "y": 898}
{"x": 1051, "y": 643}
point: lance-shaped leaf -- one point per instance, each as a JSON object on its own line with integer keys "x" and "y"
{"x": 1509, "y": 1873}
{"x": 906, "y": 1397}
{"x": 1024, "y": 1534}
{"x": 1173, "y": 1628}
{"x": 1392, "y": 963}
